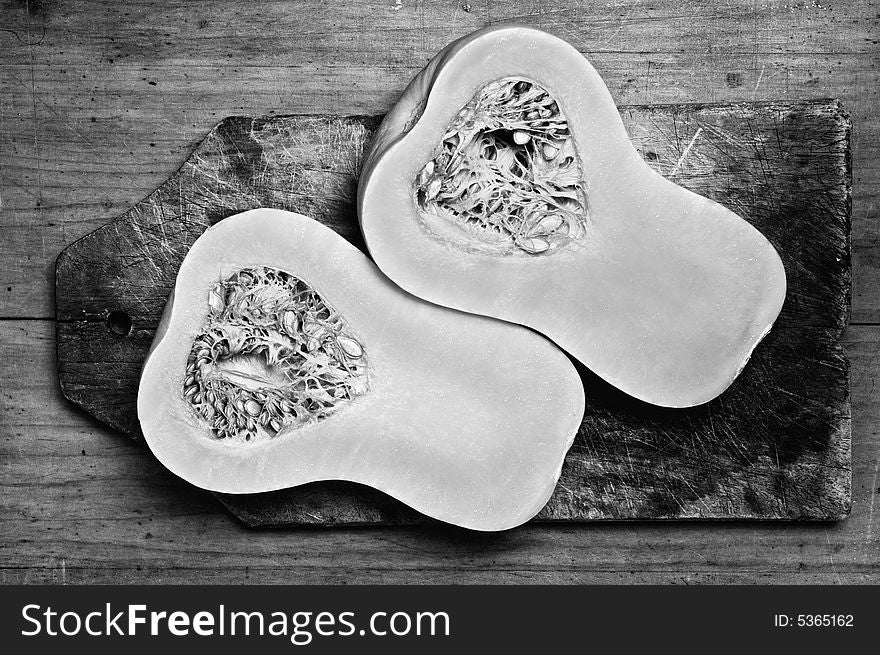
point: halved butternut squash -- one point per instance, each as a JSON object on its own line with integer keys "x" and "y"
{"x": 285, "y": 356}
{"x": 503, "y": 183}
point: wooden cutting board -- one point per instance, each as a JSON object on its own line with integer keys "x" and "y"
{"x": 776, "y": 445}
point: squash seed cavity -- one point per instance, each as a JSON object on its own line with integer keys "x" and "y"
{"x": 507, "y": 175}
{"x": 272, "y": 354}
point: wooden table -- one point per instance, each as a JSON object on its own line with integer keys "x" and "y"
{"x": 100, "y": 102}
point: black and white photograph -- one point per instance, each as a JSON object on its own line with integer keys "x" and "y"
{"x": 387, "y": 322}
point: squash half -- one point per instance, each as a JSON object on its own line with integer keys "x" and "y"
{"x": 663, "y": 293}
{"x": 465, "y": 418}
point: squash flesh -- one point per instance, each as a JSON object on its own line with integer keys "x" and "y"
{"x": 467, "y": 419}
{"x": 666, "y": 295}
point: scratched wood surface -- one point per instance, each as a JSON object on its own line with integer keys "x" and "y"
{"x": 87, "y": 96}
{"x": 775, "y": 445}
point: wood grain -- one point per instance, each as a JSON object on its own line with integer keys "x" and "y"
{"x": 84, "y": 135}
{"x": 775, "y": 445}
{"x": 80, "y": 504}
{"x": 155, "y": 77}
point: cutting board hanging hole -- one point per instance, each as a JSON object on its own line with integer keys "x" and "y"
{"x": 119, "y": 323}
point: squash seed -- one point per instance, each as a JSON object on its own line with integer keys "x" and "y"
{"x": 350, "y": 347}
{"x": 534, "y": 245}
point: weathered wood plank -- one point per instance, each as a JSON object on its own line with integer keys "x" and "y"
{"x": 81, "y": 505}
{"x": 776, "y": 445}
{"x": 102, "y": 101}
{"x": 84, "y": 136}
